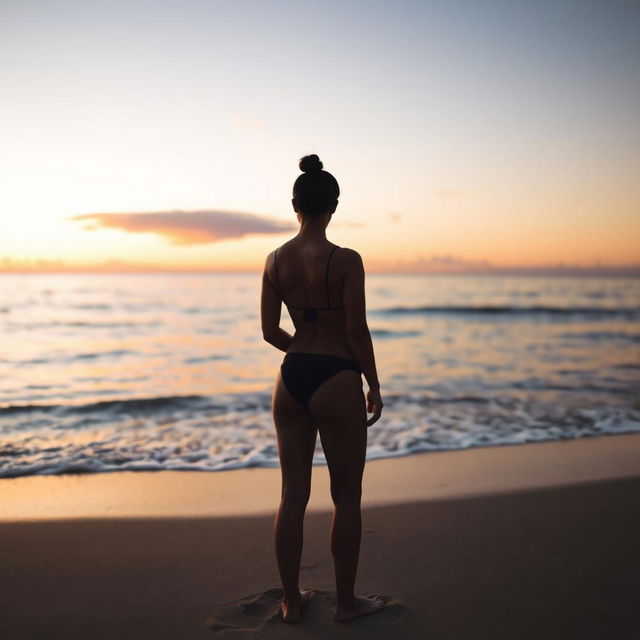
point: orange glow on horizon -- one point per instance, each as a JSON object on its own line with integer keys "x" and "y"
{"x": 452, "y": 152}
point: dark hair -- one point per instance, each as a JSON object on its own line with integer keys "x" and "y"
{"x": 315, "y": 191}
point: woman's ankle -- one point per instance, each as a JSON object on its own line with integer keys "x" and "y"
{"x": 292, "y": 598}
{"x": 346, "y": 601}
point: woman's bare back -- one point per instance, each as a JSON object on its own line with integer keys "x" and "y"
{"x": 310, "y": 279}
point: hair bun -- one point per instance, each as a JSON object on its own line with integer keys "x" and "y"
{"x": 311, "y": 163}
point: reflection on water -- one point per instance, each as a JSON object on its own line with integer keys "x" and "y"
{"x": 105, "y": 372}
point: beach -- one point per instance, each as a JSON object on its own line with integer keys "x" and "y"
{"x": 442, "y": 197}
{"x": 517, "y": 541}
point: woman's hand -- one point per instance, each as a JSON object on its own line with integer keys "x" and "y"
{"x": 374, "y": 404}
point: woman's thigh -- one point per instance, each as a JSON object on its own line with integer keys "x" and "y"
{"x": 339, "y": 411}
{"x": 296, "y": 433}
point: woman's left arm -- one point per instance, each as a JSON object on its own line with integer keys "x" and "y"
{"x": 270, "y": 309}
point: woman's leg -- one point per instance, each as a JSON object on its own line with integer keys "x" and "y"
{"x": 339, "y": 410}
{"x": 296, "y": 435}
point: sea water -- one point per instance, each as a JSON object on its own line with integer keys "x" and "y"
{"x": 149, "y": 372}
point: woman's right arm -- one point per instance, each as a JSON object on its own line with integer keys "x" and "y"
{"x": 357, "y": 329}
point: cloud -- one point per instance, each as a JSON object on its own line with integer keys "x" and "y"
{"x": 187, "y": 227}
{"x": 395, "y": 216}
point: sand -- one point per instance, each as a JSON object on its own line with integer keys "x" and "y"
{"x": 528, "y": 541}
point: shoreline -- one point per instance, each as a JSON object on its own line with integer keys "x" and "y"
{"x": 426, "y": 476}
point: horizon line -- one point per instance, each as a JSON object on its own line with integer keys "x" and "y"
{"x": 129, "y": 269}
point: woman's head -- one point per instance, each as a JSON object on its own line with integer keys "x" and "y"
{"x": 316, "y": 191}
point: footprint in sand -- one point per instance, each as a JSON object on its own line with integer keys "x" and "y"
{"x": 256, "y": 613}
{"x": 248, "y": 615}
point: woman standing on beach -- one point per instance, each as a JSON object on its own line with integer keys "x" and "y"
{"x": 319, "y": 386}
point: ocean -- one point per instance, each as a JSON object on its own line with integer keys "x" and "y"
{"x": 103, "y": 373}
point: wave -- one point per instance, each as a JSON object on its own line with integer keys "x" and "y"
{"x": 72, "y": 358}
{"x": 388, "y": 333}
{"x": 210, "y": 358}
{"x": 190, "y": 434}
{"x": 125, "y": 406}
{"x": 598, "y": 336}
{"x": 594, "y": 312}
{"x": 194, "y": 403}
{"x": 91, "y": 306}
{"x": 80, "y": 323}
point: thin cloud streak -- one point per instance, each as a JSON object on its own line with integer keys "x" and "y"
{"x": 187, "y": 227}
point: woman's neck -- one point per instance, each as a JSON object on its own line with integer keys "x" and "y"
{"x": 313, "y": 229}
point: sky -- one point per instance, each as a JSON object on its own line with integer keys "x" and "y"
{"x": 462, "y": 133}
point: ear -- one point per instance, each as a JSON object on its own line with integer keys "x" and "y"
{"x": 294, "y": 204}
{"x": 335, "y": 206}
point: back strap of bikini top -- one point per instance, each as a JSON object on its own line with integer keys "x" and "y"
{"x": 328, "y": 263}
{"x": 275, "y": 264}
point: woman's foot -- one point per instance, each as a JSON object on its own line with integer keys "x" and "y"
{"x": 361, "y": 606}
{"x": 292, "y": 610}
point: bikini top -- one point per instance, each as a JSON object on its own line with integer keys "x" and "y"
{"x": 310, "y": 313}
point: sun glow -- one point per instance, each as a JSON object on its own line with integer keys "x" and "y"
{"x": 464, "y": 148}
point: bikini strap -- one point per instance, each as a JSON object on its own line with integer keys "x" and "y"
{"x": 328, "y": 263}
{"x": 275, "y": 264}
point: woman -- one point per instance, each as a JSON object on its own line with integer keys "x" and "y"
{"x": 319, "y": 387}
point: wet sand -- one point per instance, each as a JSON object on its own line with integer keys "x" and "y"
{"x": 530, "y": 541}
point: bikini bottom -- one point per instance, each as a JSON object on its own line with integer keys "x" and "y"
{"x": 303, "y": 373}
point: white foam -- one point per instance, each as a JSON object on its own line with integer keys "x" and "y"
{"x": 206, "y": 439}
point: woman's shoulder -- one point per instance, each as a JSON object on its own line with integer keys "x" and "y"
{"x": 349, "y": 256}
{"x": 348, "y": 251}
{"x": 271, "y": 255}
{"x": 348, "y": 262}
{"x": 282, "y": 247}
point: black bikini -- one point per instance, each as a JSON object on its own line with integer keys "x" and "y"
{"x": 302, "y": 373}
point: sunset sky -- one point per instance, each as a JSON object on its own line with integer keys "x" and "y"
{"x": 168, "y": 133}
